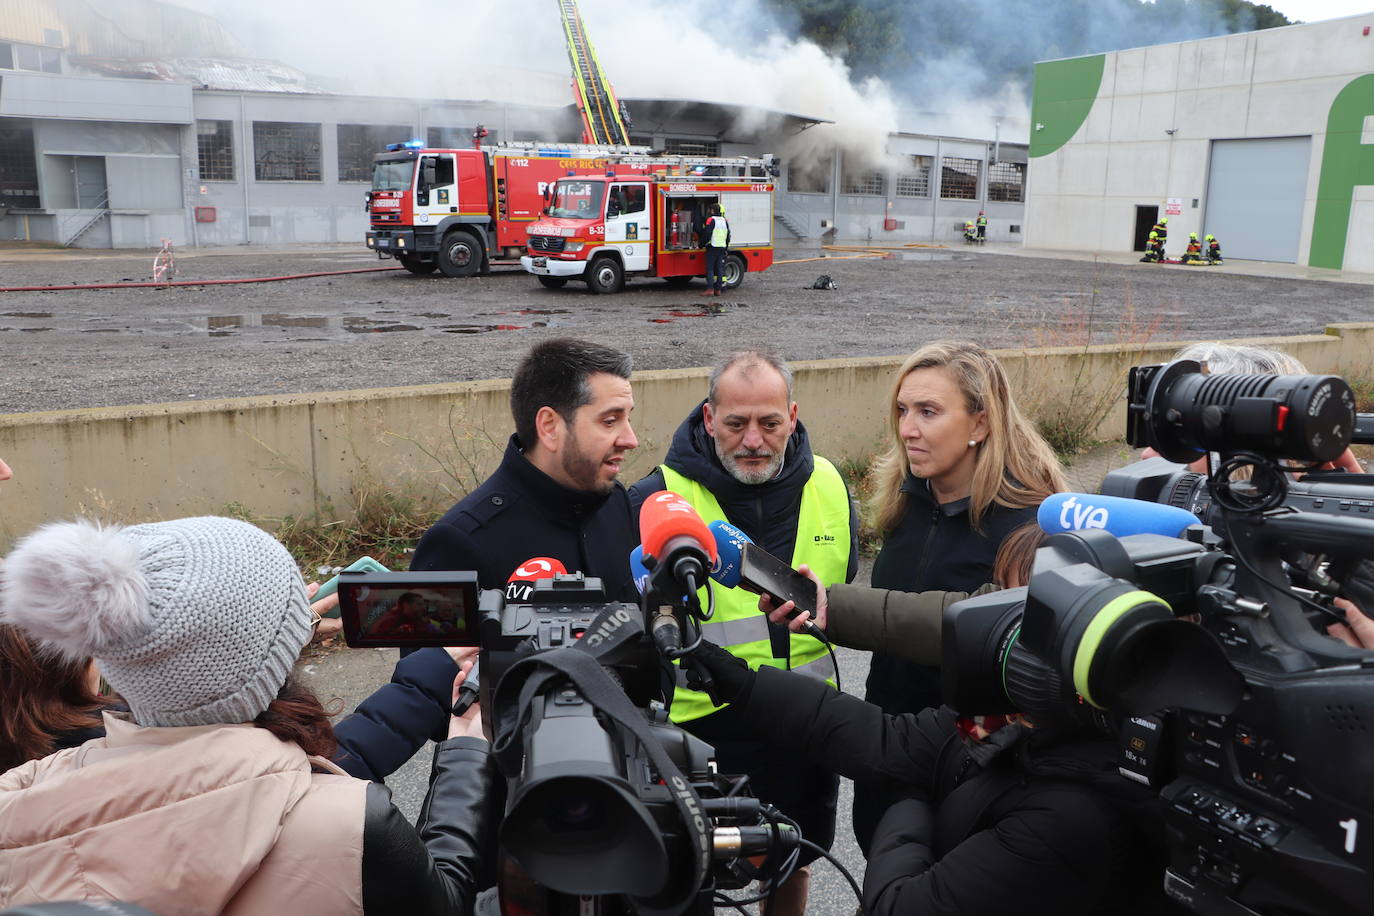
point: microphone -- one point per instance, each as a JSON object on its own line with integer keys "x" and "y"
{"x": 673, "y": 534}
{"x": 730, "y": 571}
{"x": 638, "y": 571}
{"x": 730, "y": 543}
{"x": 521, "y": 583}
{"x": 1114, "y": 514}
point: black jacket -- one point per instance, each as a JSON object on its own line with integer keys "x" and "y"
{"x": 433, "y": 866}
{"x": 1045, "y": 826}
{"x": 767, "y": 512}
{"x": 932, "y": 548}
{"x": 519, "y": 513}
{"x": 394, "y": 722}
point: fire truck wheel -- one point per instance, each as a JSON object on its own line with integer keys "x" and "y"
{"x": 734, "y": 271}
{"x": 678, "y": 282}
{"x": 460, "y": 255}
{"x": 553, "y": 282}
{"x": 416, "y": 266}
{"x": 604, "y": 275}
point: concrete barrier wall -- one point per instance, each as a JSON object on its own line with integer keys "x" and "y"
{"x": 301, "y": 454}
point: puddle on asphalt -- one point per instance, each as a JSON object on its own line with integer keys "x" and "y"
{"x": 479, "y": 328}
{"x": 373, "y": 326}
{"x": 935, "y": 256}
{"x": 25, "y": 314}
{"x": 544, "y": 312}
{"x": 34, "y": 330}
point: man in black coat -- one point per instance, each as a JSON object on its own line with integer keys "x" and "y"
{"x": 555, "y": 494}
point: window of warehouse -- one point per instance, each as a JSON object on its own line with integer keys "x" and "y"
{"x": 456, "y": 137}
{"x": 15, "y": 56}
{"x": 867, "y": 182}
{"x": 915, "y": 180}
{"x": 959, "y": 179}
{"x": 677, "y": 146}
{"x": 215, "y": 150}
{"x": 809, "y": 176}
{"x": 358, "y": 143}
{"x": 18, "y": 165}
{"x": 283, "y": 151}
{"x": 1007, "y": 182}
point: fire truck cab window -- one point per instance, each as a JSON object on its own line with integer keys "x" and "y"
{"x": 392, "y": 176}
{"x": 436, "y": 172}
{"x": 627, "y": 198}
{"x": 577, "y": 199}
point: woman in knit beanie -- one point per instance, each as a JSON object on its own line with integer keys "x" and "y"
{"x": 213, "y": 794}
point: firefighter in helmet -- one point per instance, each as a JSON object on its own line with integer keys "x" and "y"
{"x": 1161, "y": 229}
{"x": 982, "y": 227}
{"x": 1213, "y": 250}
{"x": 969, "y": 235}
{"x": 1152, "y": 250}
{"x": 1193, "y": 253}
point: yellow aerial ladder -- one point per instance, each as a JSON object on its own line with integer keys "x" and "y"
{"x": 604, "y": 120}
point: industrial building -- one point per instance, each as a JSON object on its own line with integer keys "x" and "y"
{"x": 110, "y": 139}
{"x": 1262, "y": 139}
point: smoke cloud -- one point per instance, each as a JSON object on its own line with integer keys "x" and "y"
{"x": 951, "y": 67}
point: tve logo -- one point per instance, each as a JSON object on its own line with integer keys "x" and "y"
{"x": 1074, "y": 515}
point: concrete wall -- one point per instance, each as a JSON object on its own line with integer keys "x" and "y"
{"x": 296, "y": 455}
{"x": 1147, "y": 135}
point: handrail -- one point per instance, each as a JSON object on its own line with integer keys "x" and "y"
{"x": 92, "y": 215}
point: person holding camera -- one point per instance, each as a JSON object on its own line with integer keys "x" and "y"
{"x": 556, "y": 493}
{"x": 992, "y": 814}
{"x": 217, "y": 782}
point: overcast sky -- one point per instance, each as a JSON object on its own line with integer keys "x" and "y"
{"x": 1317, "y": 10}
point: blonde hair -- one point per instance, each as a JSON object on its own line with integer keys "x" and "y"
{"x": 1014, "y": 465}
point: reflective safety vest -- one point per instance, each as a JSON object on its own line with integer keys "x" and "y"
{"x": 823, "y": 540}
{"x": 720, "y": 232}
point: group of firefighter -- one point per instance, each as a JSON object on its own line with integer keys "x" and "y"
{"x": 1198, "y": 253}
{"x": 976, "y": 232}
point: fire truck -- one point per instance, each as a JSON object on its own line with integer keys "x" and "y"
{"x": 456, "y": 209}
{"x": 601, "y": 229}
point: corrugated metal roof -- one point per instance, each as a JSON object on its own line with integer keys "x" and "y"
{"x": 207, "y": 73}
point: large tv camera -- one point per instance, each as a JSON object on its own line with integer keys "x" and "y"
{"x": 1206, "y": 655}
{"x": 611, "y": 809}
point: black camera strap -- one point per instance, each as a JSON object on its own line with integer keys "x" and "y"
{"x": 533, "y": 676}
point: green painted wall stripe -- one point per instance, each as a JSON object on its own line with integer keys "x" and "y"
{"x": 1346, "y": 164}
{"x": 1064, "y": 94}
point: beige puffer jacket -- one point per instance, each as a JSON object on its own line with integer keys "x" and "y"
{"x": 209, "y": 819}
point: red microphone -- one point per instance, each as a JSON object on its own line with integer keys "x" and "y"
{"x": 681, "y": 545}
{"x": 667, "y": 522}
{"x": 520, "y": 585}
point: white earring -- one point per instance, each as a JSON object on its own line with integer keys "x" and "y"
{"x": 973, "y": 443}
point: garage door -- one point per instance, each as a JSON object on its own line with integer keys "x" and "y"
{"x": 1255, "y": 191}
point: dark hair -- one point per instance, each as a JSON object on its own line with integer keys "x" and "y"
{"x": 554, "y": 374}
{"x": 1016, "y": 556}
{"x": 297, "y": 717}
{"x": 41, "y": 697}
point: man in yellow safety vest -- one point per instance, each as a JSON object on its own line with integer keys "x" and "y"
{"x": 743, "y": 456}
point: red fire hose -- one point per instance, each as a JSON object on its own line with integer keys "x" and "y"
{"x": 151, "y": 283}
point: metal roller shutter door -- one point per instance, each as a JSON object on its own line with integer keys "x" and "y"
{"x": 1255, "y": 197}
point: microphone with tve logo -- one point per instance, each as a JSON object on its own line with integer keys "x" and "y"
{"x": 1113, "y": 514}
{"x": 521, "y": 583}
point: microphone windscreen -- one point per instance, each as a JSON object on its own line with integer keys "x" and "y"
{"x": 730, "y": 543}
{"x": 1114, "y": 514}
{"x": 664, "y": 516}
{"x": 638, "y": 571}
{"x": 521, "y": 582}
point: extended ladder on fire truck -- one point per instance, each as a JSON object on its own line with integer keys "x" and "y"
{"x": 603, "y": 118}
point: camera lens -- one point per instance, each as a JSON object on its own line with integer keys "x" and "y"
{"x": 1186, "y": 413}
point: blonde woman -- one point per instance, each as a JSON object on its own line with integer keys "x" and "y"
{"x": 965, "y": 468}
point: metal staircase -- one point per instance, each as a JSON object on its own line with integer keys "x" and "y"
{"x": 85, "y": 219}
{"x": 790, "y": 223}
{"x": 604, "y": 119}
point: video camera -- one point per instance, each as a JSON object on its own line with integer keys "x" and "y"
{"x": 1201, "y": 654}
{"x": 611, "y": 808}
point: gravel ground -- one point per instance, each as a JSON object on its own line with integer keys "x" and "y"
{"x": 93, "y": 348}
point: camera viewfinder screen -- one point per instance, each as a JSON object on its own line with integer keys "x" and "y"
{"x": 418, "y": 615}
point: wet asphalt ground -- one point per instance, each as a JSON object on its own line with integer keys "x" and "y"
{"x": 92, "y": 348}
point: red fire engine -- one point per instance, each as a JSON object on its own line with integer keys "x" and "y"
{"x": 604, "y": 228}
{"x": 455, "y": 209}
